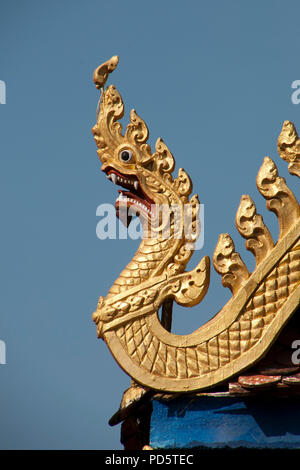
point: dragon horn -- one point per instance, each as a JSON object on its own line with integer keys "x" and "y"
{"x": 101, "y": 73}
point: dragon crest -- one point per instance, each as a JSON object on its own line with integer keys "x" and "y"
{"x": 263, "y": 301}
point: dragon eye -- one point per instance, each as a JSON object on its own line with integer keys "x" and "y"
{"x": 126, "y": 155}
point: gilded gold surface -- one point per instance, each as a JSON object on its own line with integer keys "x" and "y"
{"x": 289, "y": 147}
{"x": 262, "y": 302}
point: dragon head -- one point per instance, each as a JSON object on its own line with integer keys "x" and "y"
{"x": 127, "y": 160}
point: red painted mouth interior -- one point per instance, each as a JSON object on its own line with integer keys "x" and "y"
{"x": 134, "y": 196}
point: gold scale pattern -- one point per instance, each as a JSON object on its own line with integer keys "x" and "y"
{"x": 161, "y": 359}
{"x": 145, "y": 261}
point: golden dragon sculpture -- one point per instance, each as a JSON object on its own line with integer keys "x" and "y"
{"x": 263, "y": 301}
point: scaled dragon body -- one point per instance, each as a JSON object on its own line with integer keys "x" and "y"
{"x": 262, "y": 302}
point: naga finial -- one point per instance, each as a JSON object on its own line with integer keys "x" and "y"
{"x": 128, "y": 318}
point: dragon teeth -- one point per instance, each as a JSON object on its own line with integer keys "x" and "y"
{"x": 114, "y": 178}
{"x": 123, "y": 197}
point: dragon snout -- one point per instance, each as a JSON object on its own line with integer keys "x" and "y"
{"x": 97, "y": 319}
{"x": 102, "y": 315}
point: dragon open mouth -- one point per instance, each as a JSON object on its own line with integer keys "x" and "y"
{"x": 134, "y": 197}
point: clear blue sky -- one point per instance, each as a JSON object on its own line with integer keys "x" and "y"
{"x": 214, "y": 80}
